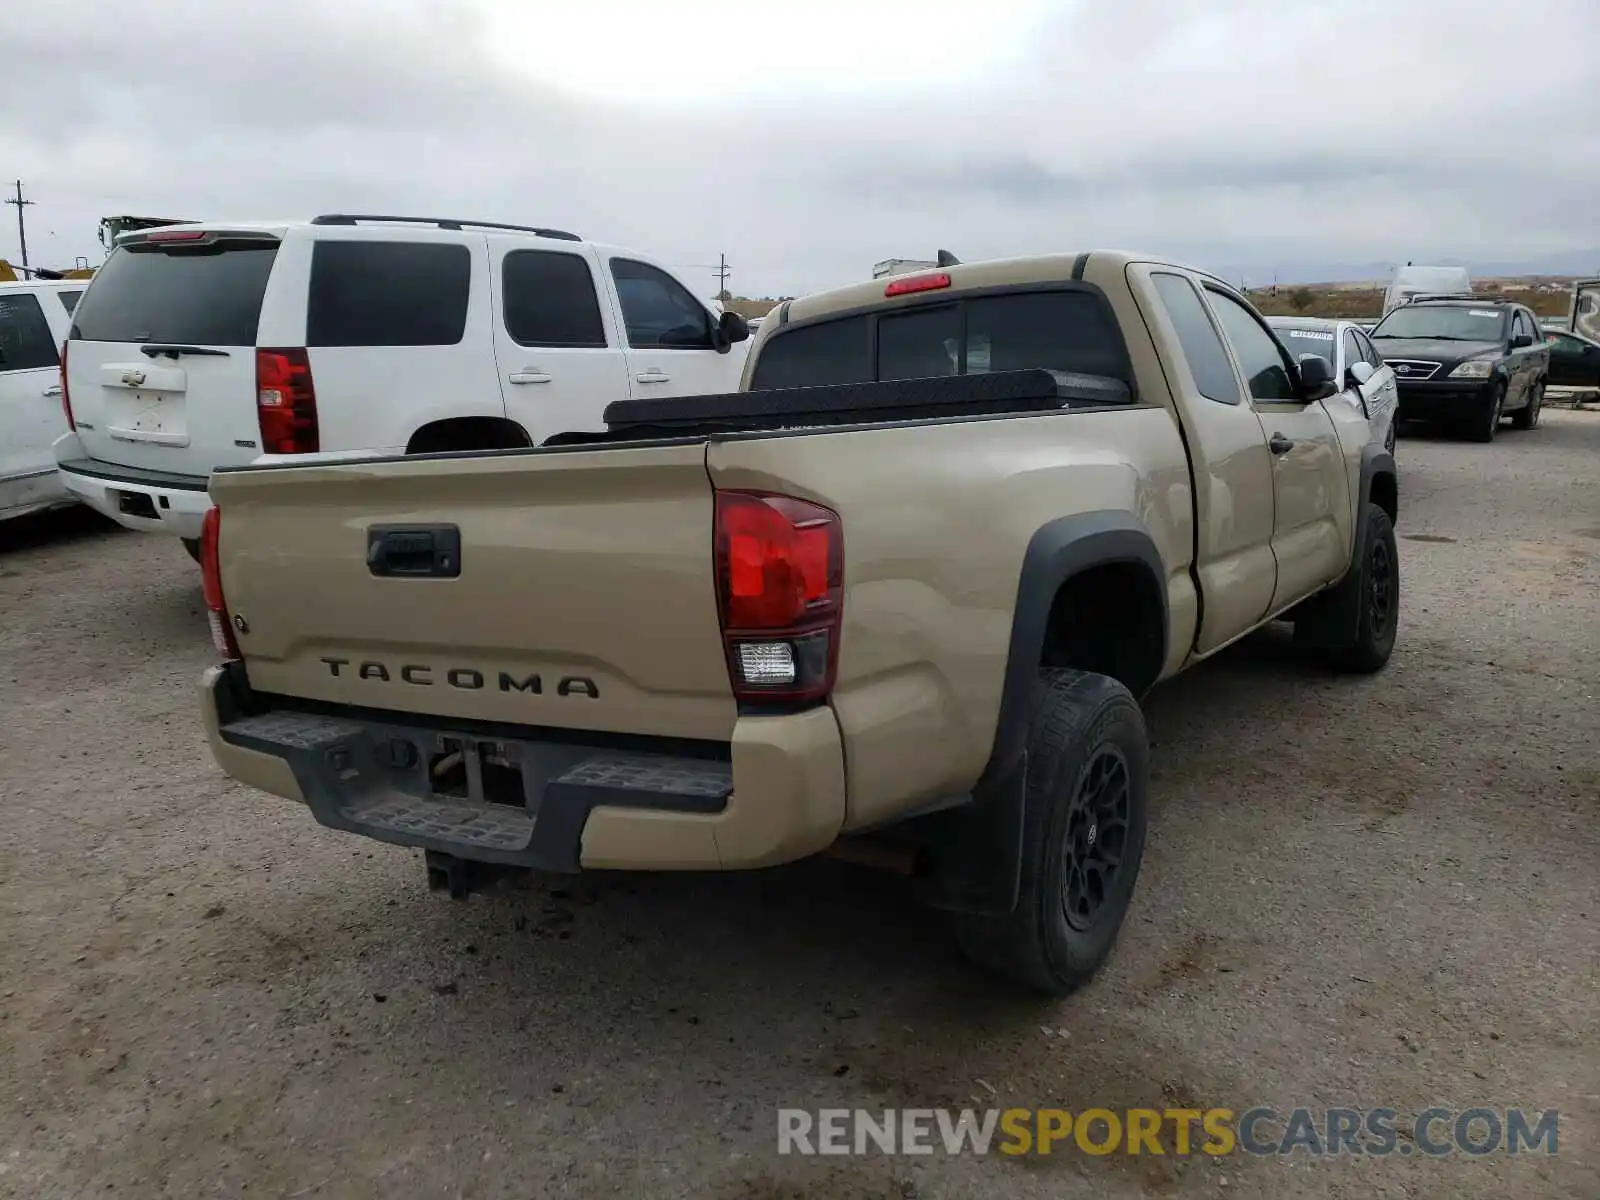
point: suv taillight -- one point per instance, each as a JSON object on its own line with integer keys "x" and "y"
{"x": 211, "y": 585}
{"x": 780, "y": 593}
{"x": 286, "y": 403}
{"x": 66, "y": 396}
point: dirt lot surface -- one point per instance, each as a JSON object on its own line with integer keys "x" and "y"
{"x": 1375, "y": 892}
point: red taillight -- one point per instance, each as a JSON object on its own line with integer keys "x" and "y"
{"x": 211, "y": 585}
{"x": 917, "y": 283}
{"x": 286, "y": 402}
{"x": 66, "y": 396}
{"x": 780, "y": 590}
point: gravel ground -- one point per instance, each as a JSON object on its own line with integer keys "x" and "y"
{"x": 1375, "y": 892}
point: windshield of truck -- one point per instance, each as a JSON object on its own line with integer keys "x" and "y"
{"x": 189, "y": 295}
{"x": 1449, "y": 322}
{"x": 1070, "y": 331}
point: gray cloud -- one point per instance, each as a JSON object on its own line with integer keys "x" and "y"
{"x": 1239, "y": 134}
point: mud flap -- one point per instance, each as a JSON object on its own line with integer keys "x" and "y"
{"x": 974, "y": 853}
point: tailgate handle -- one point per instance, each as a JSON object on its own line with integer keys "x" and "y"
{"x": 414, "y": 551}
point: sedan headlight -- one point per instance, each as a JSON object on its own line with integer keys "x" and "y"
{"x": 1474, "y": 368}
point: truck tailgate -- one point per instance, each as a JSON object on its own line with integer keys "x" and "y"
{"x": 583, "y": 595}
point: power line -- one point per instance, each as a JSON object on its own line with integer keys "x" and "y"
{"x": 22, "y": 228}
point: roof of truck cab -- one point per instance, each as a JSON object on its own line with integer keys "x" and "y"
{"x": 1000, "y": 272}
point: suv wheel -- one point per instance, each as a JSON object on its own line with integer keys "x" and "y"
{"x": 1082, "y": 838}
{"x": 1528, "y": 417}
{"x": 1489, "y": 423}
{"x": 1376, "y": 578}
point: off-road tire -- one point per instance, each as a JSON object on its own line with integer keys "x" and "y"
{"x": 1376, "y": 578}
{"x": 1487, "y": 424}
{"x": 1087, "y": 779}
{"x": 192, "y": 545}
{"x": 1527, "y": 417}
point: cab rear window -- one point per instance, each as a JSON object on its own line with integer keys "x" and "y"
{"x": 208, "y": 295}
{"x": 1068, "y": 330}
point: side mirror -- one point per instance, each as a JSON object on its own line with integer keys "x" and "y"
{"x": 1316, "y": 378}
{"x": 1358, "y": 375}
{"x": 1521, "y": 341}
{"x": 730, "y": 329}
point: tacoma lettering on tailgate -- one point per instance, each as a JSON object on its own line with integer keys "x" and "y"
{"x": 467, "y": 678}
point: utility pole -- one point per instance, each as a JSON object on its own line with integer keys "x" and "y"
{"x": 22, "y": 228}
{"x": 723, "y": 271}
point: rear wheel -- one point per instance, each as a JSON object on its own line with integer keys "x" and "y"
{"x": 1082, "y": 840}
{"x": 192, "y": 545}
{"x": 1488, "y": 423}
{"x": 1528, "y": 417}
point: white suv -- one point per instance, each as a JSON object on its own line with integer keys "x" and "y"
{"x": 206, "y": 345}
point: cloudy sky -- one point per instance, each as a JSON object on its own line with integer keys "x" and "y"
{"x": 808, "y": 140}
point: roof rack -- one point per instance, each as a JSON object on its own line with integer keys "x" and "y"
{"x": 443, "y": 223}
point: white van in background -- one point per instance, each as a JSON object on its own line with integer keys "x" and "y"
{"x": 34, "y": 318}
{"x": 1412, "y": 281}
{"x": 211, "y": 344}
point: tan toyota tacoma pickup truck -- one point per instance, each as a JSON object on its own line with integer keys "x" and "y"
{"x": 902, "y": 590}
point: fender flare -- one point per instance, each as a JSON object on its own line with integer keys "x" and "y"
{"x": 976, "y": 847}
{"x": 1059, "y": 550}
{"x": 1376, "y": 463}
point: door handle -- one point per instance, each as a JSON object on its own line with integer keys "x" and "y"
{"x": 53, "y": 390}
{"x": 529, "y": 377}
{"x": 1280, "y": 444}
{"x": 653, "y": 376}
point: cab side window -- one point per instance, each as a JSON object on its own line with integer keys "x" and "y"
{"x": 1208, "y": 358}
{"x": 1262, "y": 360}
{"x": 26, "y": 343}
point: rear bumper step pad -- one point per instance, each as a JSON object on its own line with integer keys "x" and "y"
{"x": 518, "y": 801}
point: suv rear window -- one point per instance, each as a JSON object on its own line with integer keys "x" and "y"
{"x": 193, "y": 295}
{"x": 388, "y": 293}
{"x": 1058, "y": 330}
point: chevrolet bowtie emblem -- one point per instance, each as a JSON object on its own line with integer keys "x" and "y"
{"x": 133, "y": 378}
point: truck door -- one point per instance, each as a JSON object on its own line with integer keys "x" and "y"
{"x": 1231, "y": 468}
{"x": 1313, "y": 520}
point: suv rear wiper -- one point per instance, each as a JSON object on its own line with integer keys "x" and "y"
{"x": 154, "y": 348}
